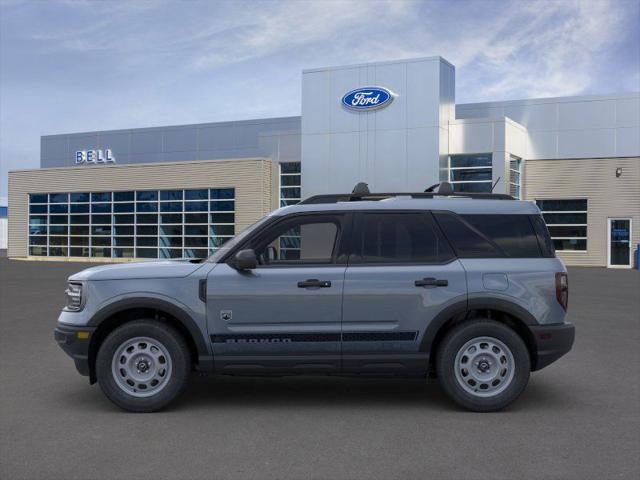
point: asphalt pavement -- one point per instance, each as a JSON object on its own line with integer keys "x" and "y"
{"x": 579, "y": 418}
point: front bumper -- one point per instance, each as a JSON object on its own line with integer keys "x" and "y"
{"x": 75, "y": 342}
{"x": 552, "y": 342}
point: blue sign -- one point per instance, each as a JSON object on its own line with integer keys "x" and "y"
{"x": 368, "y": 98}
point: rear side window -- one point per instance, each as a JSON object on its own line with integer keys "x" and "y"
{"x": 490, "y": 236}
{"x": 400, "y": 238}
{"x": 466, "y": 240}
{"x": 513, "y": 234}
{"x": 544, "y": 238}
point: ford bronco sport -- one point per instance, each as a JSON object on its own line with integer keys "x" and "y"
{"x": 465, "y": 287}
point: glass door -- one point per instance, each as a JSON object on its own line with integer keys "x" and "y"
{"x": 619, "y": 242}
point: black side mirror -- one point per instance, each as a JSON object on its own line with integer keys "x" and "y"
{"x": 245, "y": 260}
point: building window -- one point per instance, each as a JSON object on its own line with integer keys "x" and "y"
{"x": 515, "y": 174}
{"x": 567, "y": 222}
{"x": 289, "y": 183}
{"x": 471, "y": 173}
{"x": 190, "y": 223}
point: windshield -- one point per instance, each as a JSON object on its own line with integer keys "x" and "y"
{"x": 222, "y": 251}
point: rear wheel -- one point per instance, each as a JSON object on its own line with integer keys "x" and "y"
{"x": 483, "y": 365}
{"x": 143, "y": 365}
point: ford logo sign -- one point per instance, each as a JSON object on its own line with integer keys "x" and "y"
{"x": 367, "y": 98}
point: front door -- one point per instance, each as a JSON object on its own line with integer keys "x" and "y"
{"x": 285, "y": 315}
{"x": 402, "y": 273}
{"x": 619, "y": 242}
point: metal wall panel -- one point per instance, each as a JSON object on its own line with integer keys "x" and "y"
{"x": 571, "y": 127}
{"x": 209, "y": 141}
{"x": 385, "y": 141}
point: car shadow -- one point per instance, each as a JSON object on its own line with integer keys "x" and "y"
{"x": 330, "y": 393}
{"x": 325, "y": 392}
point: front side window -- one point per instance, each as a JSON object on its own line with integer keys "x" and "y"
{"x": 567, "y": 222}
{"x": 399, "y": 238}
{"x": 301, "y": 240}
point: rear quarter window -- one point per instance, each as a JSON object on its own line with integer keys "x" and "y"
{"x": 491, "y": 236}
{"x": 514, "y": 234}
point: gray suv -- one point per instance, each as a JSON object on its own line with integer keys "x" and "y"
{"x": 464, "y": 287}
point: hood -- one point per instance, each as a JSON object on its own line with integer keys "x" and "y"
{"x": 142, "y": 270}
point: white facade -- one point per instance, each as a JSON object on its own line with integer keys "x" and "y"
{"x": 401, "y": 147}
{"x": 602, "y": 126}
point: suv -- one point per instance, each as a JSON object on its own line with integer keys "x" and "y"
{"x": 465, "y": 287}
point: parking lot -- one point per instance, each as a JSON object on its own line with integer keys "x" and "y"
{"x": 579, "y": 418}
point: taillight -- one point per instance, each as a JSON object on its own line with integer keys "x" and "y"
{"x": 562, "y": 289}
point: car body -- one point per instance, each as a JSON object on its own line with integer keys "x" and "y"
{"x": 366, "y": 285}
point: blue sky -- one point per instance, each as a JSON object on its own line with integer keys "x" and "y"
{"x": 71, "y": 66}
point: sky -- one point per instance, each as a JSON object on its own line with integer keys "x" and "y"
{"x": 74, "y": 66}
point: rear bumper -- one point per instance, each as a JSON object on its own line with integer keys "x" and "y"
{"x": 75, "y": 343}
{"x": 552, "y": 342}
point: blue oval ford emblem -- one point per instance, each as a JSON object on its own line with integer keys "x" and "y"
{"x": 367, "y": 98}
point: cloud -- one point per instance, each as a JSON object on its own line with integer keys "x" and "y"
{"x": 83, "y": 65}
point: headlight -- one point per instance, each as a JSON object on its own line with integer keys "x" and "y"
{"x": 74, "y": 297}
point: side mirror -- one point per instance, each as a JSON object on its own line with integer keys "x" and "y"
{"x": 245, "y": 260}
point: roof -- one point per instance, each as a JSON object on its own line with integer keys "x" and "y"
{"x": 462, "y": 205}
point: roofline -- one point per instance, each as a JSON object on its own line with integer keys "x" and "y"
{"x": 131, "y": 165}
{"x": 385, "y": 62}
{"x": 189, "y": 125}
{"x": 533, "y": 101}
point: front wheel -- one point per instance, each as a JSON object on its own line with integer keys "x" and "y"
{"x": 143, "y": 365}
{"x": 483, "y": 365}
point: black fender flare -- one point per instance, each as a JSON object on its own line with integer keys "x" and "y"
{"x": 504, "y": 305}
{"x": 154, "y": 303}
{"x": 473, "y": 303}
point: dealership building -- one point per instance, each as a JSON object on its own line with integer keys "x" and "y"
{"x": 182, "y": 191}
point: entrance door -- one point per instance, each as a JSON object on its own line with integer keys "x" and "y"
{"x": 619, "y": 243}
{"x": 285, "y": 315}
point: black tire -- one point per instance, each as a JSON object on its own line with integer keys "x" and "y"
{"x": 456, "y": 339}
{"x": 176, "y": 381}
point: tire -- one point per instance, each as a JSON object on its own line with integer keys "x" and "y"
{"x": 143, "y": 365}
{"x": 483, "y": 365}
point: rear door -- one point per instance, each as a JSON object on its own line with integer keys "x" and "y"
{"x": 402, "y": 273}
{"x": 284, "y": 316}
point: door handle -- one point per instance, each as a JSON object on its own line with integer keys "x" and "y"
{"x": 312, "y": 282}
{"x": 431, "y": 282}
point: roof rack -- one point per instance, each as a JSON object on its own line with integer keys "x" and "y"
{"x": 361, "y": 193}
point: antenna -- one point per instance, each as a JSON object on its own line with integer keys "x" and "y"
{"x": 494, "y": 185}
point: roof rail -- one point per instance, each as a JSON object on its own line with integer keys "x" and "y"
{"x": 361, "y": 193}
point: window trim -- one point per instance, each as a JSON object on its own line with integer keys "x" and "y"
{"x": 518, "y": 171}
{"x": 281, "y": 187}
{"x": 450, "y": 169}
{"x": 89, "y": 202}
{"x": 586, "y": 225}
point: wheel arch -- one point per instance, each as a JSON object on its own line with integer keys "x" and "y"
{"x": 122, "y": 311}
{"x": 503, "y": 311}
